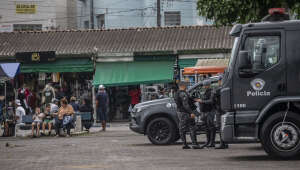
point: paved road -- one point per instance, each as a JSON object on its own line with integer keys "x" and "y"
{"x": 119, "y": 149}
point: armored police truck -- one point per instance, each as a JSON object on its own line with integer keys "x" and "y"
{"x": 261, "y": 87}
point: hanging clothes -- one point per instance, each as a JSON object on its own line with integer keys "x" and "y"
{"x": 55, "y": 77}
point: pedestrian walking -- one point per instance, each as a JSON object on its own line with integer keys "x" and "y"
{"x": 102, "y": 104}
{"x": 186, "y": 117}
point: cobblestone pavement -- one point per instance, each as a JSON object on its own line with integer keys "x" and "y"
{"x": 118, "y": 148}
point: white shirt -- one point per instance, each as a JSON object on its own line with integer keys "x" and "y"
{"x": 20, "y": 112}
{"x": 53, "y": 108}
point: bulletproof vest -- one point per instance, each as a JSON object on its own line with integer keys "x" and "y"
{"x": 206, "y": 107}
{"x": 179, "y": 100}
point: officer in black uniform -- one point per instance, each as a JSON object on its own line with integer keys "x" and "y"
{"x": 206, "y": 108}
{"x": 186, "y": 117}
{"x": 219, "y": 112}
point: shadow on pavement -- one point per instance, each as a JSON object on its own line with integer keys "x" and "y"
{"x": 259, "y": 158}
{"x": 150, "y": 144}
{"x": 256, "y": 148}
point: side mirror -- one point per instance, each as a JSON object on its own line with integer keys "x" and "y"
{"x": 244, "y": 65}
{"x": 244, "y": 60}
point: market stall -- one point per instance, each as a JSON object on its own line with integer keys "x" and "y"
{"x": 203, "y": 69}
{"x": 8, "y": 71}
{"x": 126, "y": 74}
{"x": 44, "y": 76}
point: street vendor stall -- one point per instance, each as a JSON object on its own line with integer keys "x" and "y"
{"x": 7, "y": 72}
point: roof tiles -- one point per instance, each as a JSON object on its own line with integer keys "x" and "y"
{"x": 117, "y": 40}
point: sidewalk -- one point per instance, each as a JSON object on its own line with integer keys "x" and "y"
{"x": 114, "y": 126}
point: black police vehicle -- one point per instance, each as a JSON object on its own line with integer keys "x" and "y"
{"x": 261, "y": 87}
{"x": 158, "y": 118}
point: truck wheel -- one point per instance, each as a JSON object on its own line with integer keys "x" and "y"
{"x": 281, "y": 140}
{"x": 161, "y": 131}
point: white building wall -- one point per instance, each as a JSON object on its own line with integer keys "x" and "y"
{"x": 141, "y": 13}
{"x": 51, "y": 14}
{"x": 83, "y": 13}
{"x": 120, "y": 14}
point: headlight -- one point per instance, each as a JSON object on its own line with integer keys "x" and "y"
{"x": 168, "y": 105}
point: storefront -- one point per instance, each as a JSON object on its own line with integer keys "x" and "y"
{"x": 150, "y": 74}
{"x": 63, "y": 77}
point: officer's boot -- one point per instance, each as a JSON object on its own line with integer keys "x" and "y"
{"x": 183, "y": 138}
{"x": 222, "y": 145}
{"x": 212, "y": 138}
{"x": 207, "y": 139}
{"x": 194, "y": 140}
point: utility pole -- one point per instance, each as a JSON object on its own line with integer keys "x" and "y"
{"x": 158, "y": 13}
{"x": 92, "y": 14}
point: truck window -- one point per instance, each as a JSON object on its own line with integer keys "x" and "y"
{"x": 265, "y": 49}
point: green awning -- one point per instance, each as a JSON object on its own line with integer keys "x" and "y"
{"x": 60, "y": 65}
{"x": 130, "y": 73}
{"x": 191, "y": 62}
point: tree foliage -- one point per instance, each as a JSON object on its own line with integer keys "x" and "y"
{"x": 228, "y": 12}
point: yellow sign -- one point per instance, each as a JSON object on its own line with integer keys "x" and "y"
{"x": 25, "y": 8}
{"x": 35, "y": 57}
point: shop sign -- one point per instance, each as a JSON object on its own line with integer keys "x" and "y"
{"x": 36, "y": 57}
{"x": 25, "y": 8}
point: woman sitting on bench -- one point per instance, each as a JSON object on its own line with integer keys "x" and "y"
{"x": 65, "y": 117}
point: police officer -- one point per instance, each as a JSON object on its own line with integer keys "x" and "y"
{"x": 186, "y": 117}
{"x": 219, "y": 112}
{"x": 206, "y": 108}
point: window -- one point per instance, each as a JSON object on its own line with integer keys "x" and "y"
{"x": 27, "y": 27}
{"x": 172, "y": 18}
{"x": 101, "y": 21}
{"x": 263, "y": 50}
{"x": 86, "y": 24}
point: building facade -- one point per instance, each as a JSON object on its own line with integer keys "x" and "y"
{"x": 36, "y": 15}
{"x": 111, "y": 14}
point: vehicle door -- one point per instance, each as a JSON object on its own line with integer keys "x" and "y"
{"x": 265, "y": 75}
